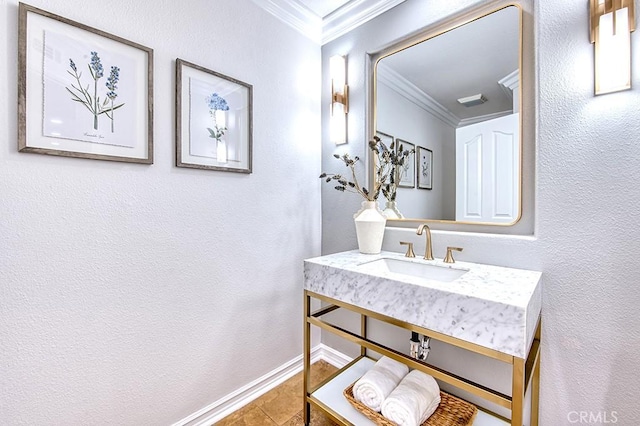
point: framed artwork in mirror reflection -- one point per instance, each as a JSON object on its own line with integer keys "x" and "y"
{"x": 213, "y": 120}
{"x": 386, "y": 138}
{"x": 408, "y": 168}
{"x": 425, "y": 167}
{"x": 82, "y": 92}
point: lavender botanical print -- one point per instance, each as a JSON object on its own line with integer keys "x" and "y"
{"x": 81, "y": 100}
{"x": 91, "y": 100}
{"x": 112, "y": 82}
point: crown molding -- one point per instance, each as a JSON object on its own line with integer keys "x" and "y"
{"x": 294, "y": 14}
{"x": 334, "y": 25}
{"x": 352, "y": 15}
{"x": 510, "y": 82}
{"x": 413, "y": 93}
{"x": 481, "y": 118}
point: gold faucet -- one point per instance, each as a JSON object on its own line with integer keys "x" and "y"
{"x": 428, "y": 252}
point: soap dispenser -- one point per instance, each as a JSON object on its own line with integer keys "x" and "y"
{"x": 414, "y": 344}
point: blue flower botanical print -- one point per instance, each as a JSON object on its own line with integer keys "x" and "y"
{"x": 216, "y": 103}
{"x": 80, "y": 93}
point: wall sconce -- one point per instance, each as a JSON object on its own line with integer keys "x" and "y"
{"x": 339, "y": 99}
{"x": 612, "y": 22}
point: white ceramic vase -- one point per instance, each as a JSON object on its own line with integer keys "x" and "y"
{"x": 370, "y": 223}
{"x": 391, "y": 211}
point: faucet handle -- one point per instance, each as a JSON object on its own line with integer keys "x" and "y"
{"x": 449, "y": 257}
{"x": 409, "y": 252}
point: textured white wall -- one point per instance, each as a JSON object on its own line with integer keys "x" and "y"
{"x": 587, "y": 162}
{"x": 133, "y": 294}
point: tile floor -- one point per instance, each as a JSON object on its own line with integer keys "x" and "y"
{"x": 282, "y": 406}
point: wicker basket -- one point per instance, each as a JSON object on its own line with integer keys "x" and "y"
{"x": 452, "y": 411}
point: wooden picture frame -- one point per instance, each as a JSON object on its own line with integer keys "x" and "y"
{"x": 214, "y": 120}
{"x": 408, "y": 170}
{"x": 82, "y": 92}
{"x": 424, "y": 167}
{"x": 385, "y": 138}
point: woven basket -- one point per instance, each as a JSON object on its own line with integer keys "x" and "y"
{"x": 452, "y": 411}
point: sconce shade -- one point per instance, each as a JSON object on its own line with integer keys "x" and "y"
{"x": 339, "y": 99}
{"x": 338, "y": 125}
{"x": 611, "y": 24}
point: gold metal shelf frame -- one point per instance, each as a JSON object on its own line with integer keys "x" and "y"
{"x": 525, "y": 371}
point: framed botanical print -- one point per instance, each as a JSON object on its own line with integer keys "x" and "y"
{"x": 408, "y": 168}
{"x": 82, "y": 92}
{"x": 425, "y": 168}
{"x": 213, "y": 120}
{"x": 385, "y": 138}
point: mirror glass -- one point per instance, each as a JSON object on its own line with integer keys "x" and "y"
{"x": 455, "y": 99}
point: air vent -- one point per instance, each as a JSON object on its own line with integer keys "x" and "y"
{"x": 473, "y": 100}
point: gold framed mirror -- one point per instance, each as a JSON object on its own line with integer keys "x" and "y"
{"x": 453, "y": 93}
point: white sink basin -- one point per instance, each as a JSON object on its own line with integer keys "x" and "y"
{"x": 414, "y": 269}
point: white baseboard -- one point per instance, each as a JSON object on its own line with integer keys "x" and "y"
{"x": 332, "y": 356}
{"x": 243, "y": 396}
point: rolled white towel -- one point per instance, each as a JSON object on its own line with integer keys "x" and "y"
{"x": 377, "y": 383}
{"x": 414, "y": 400}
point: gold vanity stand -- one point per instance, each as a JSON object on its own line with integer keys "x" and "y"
{"x": 328, "y": 397}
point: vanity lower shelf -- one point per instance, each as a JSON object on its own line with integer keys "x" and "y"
{"x": 330, "y": 398}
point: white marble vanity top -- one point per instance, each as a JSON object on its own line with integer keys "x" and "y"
{"x": 491, "y": 306}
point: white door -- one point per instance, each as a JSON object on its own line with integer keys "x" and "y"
{"x": 487, "y": 171}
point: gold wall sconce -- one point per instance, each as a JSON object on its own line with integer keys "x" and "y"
{"x": 612, "y": 22}
{"x": 339, "y": 99}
